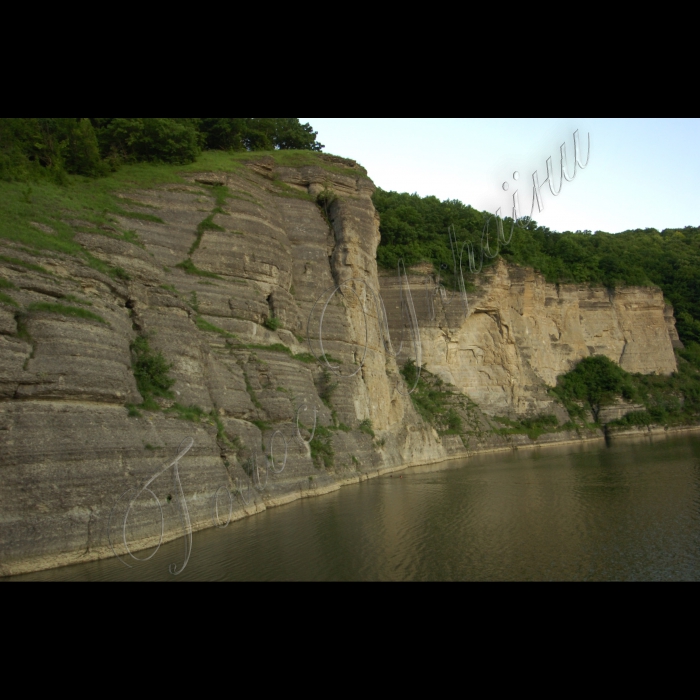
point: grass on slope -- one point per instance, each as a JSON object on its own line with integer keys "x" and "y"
{"x": 95, "y": 201}
{"x": 63, "y": 310}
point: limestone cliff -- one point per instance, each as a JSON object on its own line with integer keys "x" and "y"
{"x": 70, "y": 445}
{"x": 520, "y": 333}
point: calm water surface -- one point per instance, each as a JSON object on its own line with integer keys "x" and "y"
{"x": 626, "y": 512}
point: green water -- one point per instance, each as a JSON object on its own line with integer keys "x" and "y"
{"x": 626, "y": 512}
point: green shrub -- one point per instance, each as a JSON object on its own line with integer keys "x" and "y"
{"x": 22, "y": 330}
{"x": 330, "y": 359}
{"x": 48, "y": 148}
{"x": 324, "y": 200}
{"x": 221, "y": 194}
{"x": 532, "y": 427}
{"x": 194, "y": 414}
{"x": 255, "y": 134}
{"x": 597, "y": 381}
{"x": 150, "y": 371}
{"x": 272, "y": 323}
{"x": 321, "y": 446}
{"x": 366, "y": 427}
{"x": 635, "y": 418}
{"x": 150, "y": 139}
{"x": 454, "y": 423}
{"x": 429, "y": 399}
{"x": 673, "y": 399}
{"x": 328, "y": 388}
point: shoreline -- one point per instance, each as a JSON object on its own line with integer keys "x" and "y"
{"x": 271, "y": 501}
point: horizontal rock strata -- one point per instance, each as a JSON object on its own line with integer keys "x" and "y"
{"x": 226, "y": 292}
{"x": 519, "y": 334}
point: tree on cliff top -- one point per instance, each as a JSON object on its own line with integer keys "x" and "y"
{"x": 260, "y": 134}
{"x": 415, "y": 228}
{"x": 32, "y": 148}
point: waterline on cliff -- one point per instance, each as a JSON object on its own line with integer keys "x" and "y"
{"x": 625, "y": 512}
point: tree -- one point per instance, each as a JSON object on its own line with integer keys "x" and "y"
{"x": 258, "y": 134}
{"x": 596, "y": 380}
{"x": 152, "y": 139}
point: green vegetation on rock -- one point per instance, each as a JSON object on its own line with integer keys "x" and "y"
{"x": 63, "y": 310}
{"x": 366, "y": 427}
{"x": 532, "y": 427}
{"x": 194, "y": 414}
{"x": 415, "y": 228}
{"x": 430, "y": 399}
{"x": 191, "y": 269}
{"x": 597, "y": 382}
{"x": 272, "y": 323}
{"x": 327, "y": 387}
{"x": 54, "y": 148}
{"x": 321, "y": 447}
{"x": 204, "y": 325}
{"x": 151, "y": 372}
{"x": 24, "y": 264}
{"x": 5, "y": 299}
{"x": 206, "y": 225}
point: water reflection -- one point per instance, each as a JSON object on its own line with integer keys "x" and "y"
{"x": 626, "y": 512}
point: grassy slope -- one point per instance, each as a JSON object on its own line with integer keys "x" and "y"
{"x": 95, "y": 201}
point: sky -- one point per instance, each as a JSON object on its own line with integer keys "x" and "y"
{"x": 642, "y": 173}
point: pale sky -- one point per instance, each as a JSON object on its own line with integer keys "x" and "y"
{"x": 642, "y": 173}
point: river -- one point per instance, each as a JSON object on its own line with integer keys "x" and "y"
{"x": 630, "y": 511}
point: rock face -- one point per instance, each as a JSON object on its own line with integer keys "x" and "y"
{"x": 208, "y": 298}
{"x": 69, "y": 444}
{"x": 520, "y": 333}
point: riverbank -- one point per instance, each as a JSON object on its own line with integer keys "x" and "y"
{"x": 278, "y": 493}
{"x": 283, "y": 493}
{"x": 626, "y": 511}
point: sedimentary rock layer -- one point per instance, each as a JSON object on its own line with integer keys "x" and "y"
{"x": 69, "y": 443}
{"x": 208, "y": 298}
{"x": 519, "y": 334}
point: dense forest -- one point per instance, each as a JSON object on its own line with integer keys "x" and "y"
{"x": 36, "y": 148}
{"x": 415, "y": 228}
